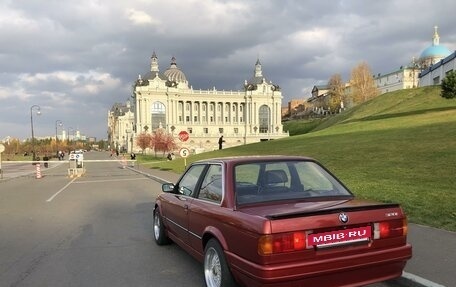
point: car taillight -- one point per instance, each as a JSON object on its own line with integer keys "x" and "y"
{"x": 280, "y": 243}
{"x": 390, "y": 228}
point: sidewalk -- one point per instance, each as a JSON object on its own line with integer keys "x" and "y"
{"x": 434, "y": 250}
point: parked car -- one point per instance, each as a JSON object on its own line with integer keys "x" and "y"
{"x": 280, "y": 221}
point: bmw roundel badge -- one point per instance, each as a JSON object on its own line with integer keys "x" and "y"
{"x": 343, "y": 217}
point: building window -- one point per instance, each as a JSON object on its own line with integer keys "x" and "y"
{"x": 226, "y": 119}
{"x": 236, "y": 130}
{"x": 195, "y": 119}
{"x": 204, "y": 107}
{"x": 204, "y": 119}
{"x": 212, "y": 107}
{"x": 187, "y": 118}
{"x": 187, "y": 107}
{"x": 196, "y": 107}
{"x": 219, "y": 107}
{"x": 180, "y": 118}
{"x": 189, "y": 130}
{"x": 234, "y": 119}
{"x": 221, "y": 130}
{"x": 240, "y": 108}
{"x": 241, "y": 120}
{"x": 212, "y": 119}
{"x": 234, "y": 108}
{"x": 206, "y": 130}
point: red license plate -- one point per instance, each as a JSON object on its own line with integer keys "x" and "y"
{"x": 338, "y": 237}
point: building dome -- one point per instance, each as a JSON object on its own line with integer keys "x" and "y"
{"x": 174, "y": 74}
{"x": 433, "y": 53}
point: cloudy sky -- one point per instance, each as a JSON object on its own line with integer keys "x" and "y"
{"x": 75, "y": 59}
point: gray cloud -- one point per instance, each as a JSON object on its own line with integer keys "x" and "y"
{"x": 76, "y": 59}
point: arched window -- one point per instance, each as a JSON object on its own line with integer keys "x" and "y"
{"x": 264, "y": 118}
{"x": 158, "y": 115}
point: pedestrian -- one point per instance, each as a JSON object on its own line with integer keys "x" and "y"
{"x": 220, "y": 142}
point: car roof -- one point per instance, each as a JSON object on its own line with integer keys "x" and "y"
{"x": 255, "y": 158}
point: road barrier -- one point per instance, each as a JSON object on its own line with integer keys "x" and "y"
{"x": 38, "y": 170}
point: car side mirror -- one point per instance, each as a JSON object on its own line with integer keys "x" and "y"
{"x": 168, "y": 187}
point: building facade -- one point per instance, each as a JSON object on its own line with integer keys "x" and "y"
{"x": 121, "y": 127}
{"x": 437, "y": 72}
{"x": 166, "y": 100}
{"x": 409, "y": 76}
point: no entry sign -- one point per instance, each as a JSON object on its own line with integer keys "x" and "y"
{"x": 183, "y": 136}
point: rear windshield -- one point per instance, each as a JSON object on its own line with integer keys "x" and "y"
{"x": 284, "y": 180}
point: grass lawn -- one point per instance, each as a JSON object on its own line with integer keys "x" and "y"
{"x": 399, "y": 147}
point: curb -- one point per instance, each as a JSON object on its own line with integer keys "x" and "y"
{"x": 411, "y": 280}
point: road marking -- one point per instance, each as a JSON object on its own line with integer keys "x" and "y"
{"x": 420, "y": 280}
{"x": 62, "y": 189}
{"x": 110, "y": 180}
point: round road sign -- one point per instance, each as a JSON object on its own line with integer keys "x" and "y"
{"x": 183, "y": 136}
{"x": 184, "y": 152}
{"x": 2, "y": 148}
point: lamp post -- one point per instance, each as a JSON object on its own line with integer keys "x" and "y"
{"x": 57, "y": 122}
{"x": 127, "y": 132}
{"x": 69, "y": 128}
{"x": 38, "y": 112}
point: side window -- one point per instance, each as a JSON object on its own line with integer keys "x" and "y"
{"x": 188, "y": 182}
{"x": 211, "y": 187}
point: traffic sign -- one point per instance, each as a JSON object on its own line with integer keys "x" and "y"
{"x": 183, "y": 136}
{"x": 2, "y": 148}
{"x": 184, "y": 152}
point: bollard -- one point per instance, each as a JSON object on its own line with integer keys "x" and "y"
{"x": 38, "y": 170}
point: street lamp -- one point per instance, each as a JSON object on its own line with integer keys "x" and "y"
{"x": 127, "y": 132}
{"x": 38, "y": 112}
{"x": 57, "y": 122}
{"x": 69, "y": 128}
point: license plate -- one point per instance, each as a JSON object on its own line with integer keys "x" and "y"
{"x": 339, "y": 237}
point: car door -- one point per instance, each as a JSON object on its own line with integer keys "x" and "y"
{"x": 204, "y": 209}
{"x": 176, "y": 208}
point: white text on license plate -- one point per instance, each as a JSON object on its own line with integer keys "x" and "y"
{"x": 340, "y": 236}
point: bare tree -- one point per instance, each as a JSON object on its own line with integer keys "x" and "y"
{"x": 362, "y": 83}
{"x": 336, "y": 92}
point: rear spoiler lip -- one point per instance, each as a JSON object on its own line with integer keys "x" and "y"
{"x": 332, "y": 210}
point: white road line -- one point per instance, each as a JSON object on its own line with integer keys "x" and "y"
{"x": 62, "y": 189}
{"x": 111, "y": 180}
{"x": 420, "y": 280}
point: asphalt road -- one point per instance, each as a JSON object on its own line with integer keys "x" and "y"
{"x": 94, "y": 230}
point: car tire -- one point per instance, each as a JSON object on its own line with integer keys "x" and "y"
{"x": 216, "y": 270}
{"x": 159, "y": 229}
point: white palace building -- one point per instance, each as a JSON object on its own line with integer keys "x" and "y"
{"x": 166, "y": 100}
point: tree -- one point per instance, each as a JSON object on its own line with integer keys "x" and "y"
{"x": 143, "y": 141}
{"x": 362, "y": 83}
{"x": 162, "y": 141}
{"x": 336, "y": 92}
{"x": 449, "y": 86}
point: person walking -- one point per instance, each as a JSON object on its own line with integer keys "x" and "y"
{"x": 220, "y": 142}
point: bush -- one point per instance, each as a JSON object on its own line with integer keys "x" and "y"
{"x": 449, "y": 86}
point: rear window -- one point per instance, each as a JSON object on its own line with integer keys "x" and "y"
{"x": 284, "y": 180}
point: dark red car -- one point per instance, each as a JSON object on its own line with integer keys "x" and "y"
{"x": 280, "y": 221}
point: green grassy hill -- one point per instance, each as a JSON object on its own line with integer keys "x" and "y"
{"x": 398, "y": 147}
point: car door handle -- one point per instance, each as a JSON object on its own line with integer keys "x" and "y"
{"x": 181, "y": 198}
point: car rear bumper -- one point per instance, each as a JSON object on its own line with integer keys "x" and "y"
{"x": 358, "y": 270}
